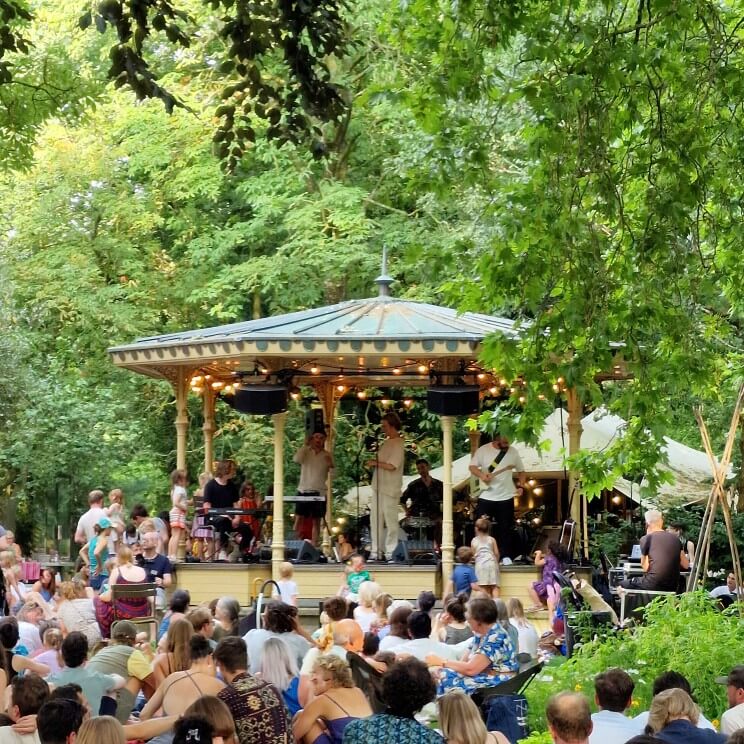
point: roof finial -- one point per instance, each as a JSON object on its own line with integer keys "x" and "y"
{"x": 384, "y": 280}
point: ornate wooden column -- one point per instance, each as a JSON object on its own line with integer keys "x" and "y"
{"x": 181, "y": 388}
{"x": 277, "y": 537}
{"x": 208, "y": 428}
{"x": 574, "y": 444}
{"x": 448, "y": 541}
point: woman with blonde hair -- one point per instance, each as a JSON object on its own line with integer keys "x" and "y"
{"x": 278, "y": 666}
{"x": 526, "y": 631}
{"x": 101, "y": 730}
{"x": 177, "y": 657}
{"x": 337, "y": 702}
{"x": 76, "y": 612}
{"x": 126, "y": 609}
{"x": 461, "y": 722}
{"x": 365, "y": 613}
{"x": 381, "y": 624}
{"x": 673, "y": 718}
{"x": 213, "y": 710}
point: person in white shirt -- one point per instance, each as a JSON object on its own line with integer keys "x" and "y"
{"x": 733, "y": 719}
{"x": 85, "y": 531}
{"x": 669, "y": 681}
{"x": 287, "y": 587}
{"x": 27, "y": 695}
{"x": 421, "y": 644}
{"x": 387, "y": 484}
{"x": 315, "y": 463}
{"x": 495, "y": 464}
{"x": 613, "y": 692}
{"x": 728, "y": 590}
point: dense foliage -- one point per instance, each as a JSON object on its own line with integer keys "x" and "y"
{"x": 686, "y": 634}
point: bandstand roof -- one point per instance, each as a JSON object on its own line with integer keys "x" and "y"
{"x": 355, "y": 337}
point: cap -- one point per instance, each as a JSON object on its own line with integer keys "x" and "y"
{"x": 104, "y": 522}
{"x": 735, "y": 678}
{"x": 124, "y": 630}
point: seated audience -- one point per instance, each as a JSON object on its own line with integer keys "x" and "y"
{"x": 123, "y": 659}
{"x": 450, "y": 626}
{"x": 381, "y": 624}
{"x": 370, "y": 646}
{"x": 180, "y": 689}
{"x": 569, "y": 719}
{"x": 203, "y": 624}
{"x": 227, "y": 617}
{"x": 526, "y": 633}
{"x": 365, "y": 613}
{"x": 336, "y": 701}
{"x": 178, "y": 606}
{"x": 461, "y": 722}
{"x": 76, "y": 612}
{"x": 613, "y": 692}
{"x": 218, "y": 715}
{"x": 668, "y": 681}
{"x": 177, "y": 656}
{"x": 27, "y": 695}
{"x": 502, "y": 614}
{"x": 256, "y": 706}
{"x": 406, "y": 688}
{"x": 46, "y": 585}
{"x": 733, "y": 719}
{"x": 727, "y": 593}
{"x": 398, "y": 628}
{"x": 421, "y": 643}
{"x": 278, "y": 666}
{"x": 279, "y": 621}
{"x": 673, "y": 718}
{"x": 59, "y": 720}
{"x": 490, "y": 658}
{"x": 95, "y": 686}
{"x": 125, "y": 573}
{"x": 102, "y": 730}
{"x": 49, "y": 653}
{"x": 29, "y": 617}
{"x": 13, "y": 663}
{"x": 425, "y": 601}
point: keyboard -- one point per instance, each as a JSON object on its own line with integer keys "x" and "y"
{"x": 301, "y": 498}
{"x": 214, "y": 513}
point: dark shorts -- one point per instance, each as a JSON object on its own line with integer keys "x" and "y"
{"x": 314, "y": 509}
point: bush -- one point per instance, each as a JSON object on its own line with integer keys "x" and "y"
{"x": 687, "y": 634}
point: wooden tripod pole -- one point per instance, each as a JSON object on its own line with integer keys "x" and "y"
{"x": 718, "y": 494}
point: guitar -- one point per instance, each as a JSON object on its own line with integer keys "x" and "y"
{"x": 489, "y": 490}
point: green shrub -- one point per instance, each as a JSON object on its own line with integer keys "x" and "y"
{"x": 687, "y": 634}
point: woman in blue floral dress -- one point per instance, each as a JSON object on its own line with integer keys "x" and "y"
{"x": 490, "y": 658}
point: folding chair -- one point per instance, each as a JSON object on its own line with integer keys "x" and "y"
{"x": 136, "y": 591}
{"x": 515, "y": 685}
{"x": 644, "y": 595}
{"x": 368, "y": 680}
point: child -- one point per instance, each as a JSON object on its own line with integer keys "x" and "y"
{"x": 49, "y": 654}
{"x": 528, "y": 637}
{"x": 547, "y": 591}
{"x": 381, "y": 624}
{"x": 177, "y": 515}
{"x": 200, "y": 532}
{"x": 365, "y": 613}
{"x": 287, "y": 587}
{"x": 95, "y": 553}
{"x": 486, "y": 558}
{"x": 463, "y": 578}
{"x": 356, "y": 575}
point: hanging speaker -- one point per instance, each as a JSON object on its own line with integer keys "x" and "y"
{"x": 453, "y": 400}
{"x": 260, "y": 400}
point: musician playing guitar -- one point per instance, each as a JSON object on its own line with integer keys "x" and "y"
{"x": 494, "y": 464}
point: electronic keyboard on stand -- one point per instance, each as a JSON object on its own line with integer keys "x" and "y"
{"x": 213, "y": 514}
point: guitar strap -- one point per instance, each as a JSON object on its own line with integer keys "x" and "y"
{"x": 497, "y": 460}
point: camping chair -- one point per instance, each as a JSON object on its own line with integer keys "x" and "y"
{"x": 640, "y": 597}
{"x": 367, "y": 679}
{"x": 136, "y": 591}
{"x": 503, "y": 707}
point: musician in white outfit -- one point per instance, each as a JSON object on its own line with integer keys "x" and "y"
{"x": 387, "y": 484}
{"x": 315, "y": 463}
{"x": 495, "y": 464}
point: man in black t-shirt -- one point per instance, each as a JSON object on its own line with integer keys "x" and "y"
{"x": 662, "y": 558}
{"x": 222, "y": 493}
{"x": 158, "y": 568}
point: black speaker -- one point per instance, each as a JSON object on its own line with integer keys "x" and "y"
{"x": 314, "y": 421}
{"x": 260, "y": 400}
{"x": 307, "y": 553}
{"x": 453, "y": 400}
